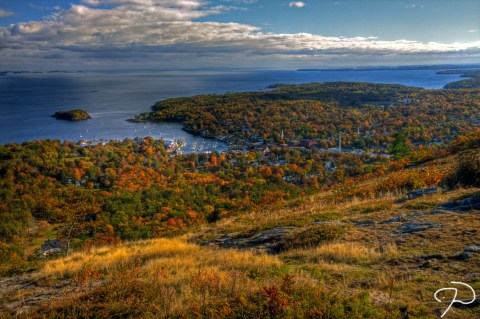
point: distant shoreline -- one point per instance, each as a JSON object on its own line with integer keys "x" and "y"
{"x": 396, "y": 68}
{"x": 312, "y": 69}
{"x": 5, "y": 73}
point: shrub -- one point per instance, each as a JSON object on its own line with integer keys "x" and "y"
{"x": 467, "y": 171}
{"x": 466, "y": 142}
{"x": 313, "y": 236}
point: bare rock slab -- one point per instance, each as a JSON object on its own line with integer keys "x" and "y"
{"x": 416, "y": 227}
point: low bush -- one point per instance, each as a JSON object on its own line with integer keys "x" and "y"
{"x": 313, "y": 236}
{"x": 467, "y": 171}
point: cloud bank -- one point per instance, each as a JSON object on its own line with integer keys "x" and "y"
{"x": 165, "y": 33}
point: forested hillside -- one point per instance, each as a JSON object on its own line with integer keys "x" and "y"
{"x": 367, "y": 115}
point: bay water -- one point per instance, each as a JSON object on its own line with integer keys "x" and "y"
{"x": 27, "y": 100}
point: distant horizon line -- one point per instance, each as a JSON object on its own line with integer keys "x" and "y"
{"x": 319, "y": 68}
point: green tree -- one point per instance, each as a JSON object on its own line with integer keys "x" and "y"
{"x": 400, "y": 146}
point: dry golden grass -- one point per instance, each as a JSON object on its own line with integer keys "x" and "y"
{"x": 348, "y": 253}
{"x": 182, "y": 275}
{"x": 345, "y": 253}
{"x": 182, "y": 278}
{"x": 175, "y": 254}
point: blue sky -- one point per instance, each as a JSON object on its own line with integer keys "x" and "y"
{"x": 239, "y": 33}
{"x": 430, "y": 20}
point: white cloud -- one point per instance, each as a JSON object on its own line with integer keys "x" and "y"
{"x": 165, "y": 32}
{"x": 472, "y": 31}
{"x": 241, "y": 1}
{"x": 296, "y": 4}
{"x": 4, "y": 13}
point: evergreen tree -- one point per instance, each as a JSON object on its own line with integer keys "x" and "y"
{"x": 400, "y": 146}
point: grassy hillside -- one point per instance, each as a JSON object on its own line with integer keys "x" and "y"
{"x": 360, "y": 250}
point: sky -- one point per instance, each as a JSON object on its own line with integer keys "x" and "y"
{"x": 102, "y": 34}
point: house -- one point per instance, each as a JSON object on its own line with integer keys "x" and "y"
{"x": 334, "y": 150}
{"x": 307, "y": 143}
{"x": 51, "y": 246}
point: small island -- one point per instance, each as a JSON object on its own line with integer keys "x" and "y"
{"x": 72, "y": 115}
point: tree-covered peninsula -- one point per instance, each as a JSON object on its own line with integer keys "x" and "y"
{"x": 366, "y": 115}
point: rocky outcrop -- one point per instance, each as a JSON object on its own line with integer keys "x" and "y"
{"x": 416, "y": 227}
{"x": 265, "y": 241}
{"x": 461, "y": 256}
{"x": 464, "y": 204}
{"x": 35, "y": 293}
{"x": 411, "y": 224}
{"x": 467, "y": 253}
{"x": 396, "y": 219}
{"x": 270, "y": 240}
{"x": 473, "y": 249}
{"x": 364, "y": 223}
{"x": 422, "y": 192}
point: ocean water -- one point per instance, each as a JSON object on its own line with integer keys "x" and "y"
{"x": 28, "y": 100}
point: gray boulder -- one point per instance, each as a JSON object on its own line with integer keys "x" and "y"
{"x": 422, "y": 192}
{"x": 364, "y": 223}
{"x": 396, "y": 219}
{"x": 464, "y": 204}
{"x": 416, "y": 227}
{"x": 473, "y": 249}
{"x": 461, "y": 256}
{"x": 267, "y": 240}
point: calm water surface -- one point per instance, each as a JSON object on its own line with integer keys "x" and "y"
{"x": 27, "y": 101}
